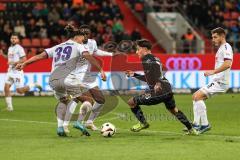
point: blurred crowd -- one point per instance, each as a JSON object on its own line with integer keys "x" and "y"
{"x": 209, "y": 14}
{"x": 47, "y": 19}
{"x": 204, "y": 14}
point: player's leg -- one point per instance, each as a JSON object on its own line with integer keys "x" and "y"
{"x": 63, "y": 99}
{"x": 199, "y": 109}
{"x": 25, "y": 89}
{"x": 171, "y": 106}
{"x": 86, "y": 106}
{"x": 8, "y": 97}
{"x": 61, "y": 108}
{"x": 134, "y": 104}
{"x": 75, "y": 89}
{"x": 204, "y": 93}
{"x": 9, "y": 80}
{"x": 96, "y": 108}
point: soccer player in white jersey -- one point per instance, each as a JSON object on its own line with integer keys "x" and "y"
{"x": 90, "y": 80}
{"x": 220, "y": 83}
{"x": 65, "y": 57}
{"x": 15, "y": 55}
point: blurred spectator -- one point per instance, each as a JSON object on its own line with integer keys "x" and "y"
{"x": 47, "y": 19}
{"x": 53, "y": 16}
{"x": 136, "y": 35}
{"x": 20, "y": 28}
{"x": 117, "y": 26}
{"x": 188, "y": 42}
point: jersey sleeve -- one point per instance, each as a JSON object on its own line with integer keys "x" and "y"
{"x": 95, "y": 47}
{"x": 21, "y": 52}
{"x": 227, "y": 53}
{"x": 50, "y": 51}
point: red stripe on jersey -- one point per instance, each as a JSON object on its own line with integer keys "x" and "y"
{"x": 225, "y": 59}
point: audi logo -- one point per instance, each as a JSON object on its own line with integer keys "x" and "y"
{"x": 183, "y": 63}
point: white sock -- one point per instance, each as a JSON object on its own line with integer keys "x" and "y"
{"x": 201, "y": 107}
{"x": 9, "y": 102}
{"x": 204, "y": 119}
{"x": 60, "y": 122}
{"x": 196, "y": 114}
{"x": 95, "y": 112}
{"x": 70, "y": 110}
{"x": 85, "y": 107}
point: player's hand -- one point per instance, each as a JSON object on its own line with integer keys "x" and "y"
{"x": 129, "y": 73}
{"x": 209, "y": 73}
{"x": 103, "y": 76}
{"x": 19, "y": 66}
{"x": 157, "y": 87}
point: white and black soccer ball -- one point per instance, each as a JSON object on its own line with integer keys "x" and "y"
{"x": 108, "y": 130}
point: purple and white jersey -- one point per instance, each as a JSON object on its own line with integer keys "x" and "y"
{"x": 224, "y": 52}
{"x": 64, "y": 52}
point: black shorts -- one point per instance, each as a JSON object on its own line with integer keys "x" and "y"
{"x": 148, "y": 99}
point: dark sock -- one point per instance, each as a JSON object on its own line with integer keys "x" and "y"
{"x": 137, "y": 111}
{"x": 183, "y": 119}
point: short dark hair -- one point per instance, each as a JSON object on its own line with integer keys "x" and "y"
{"x": 219, "y": 31}
{"x": 15, "y": 34}
{"x": 85, "y": 28}
{"x": 144, "y": 43}
{"x": 72, "y": 31}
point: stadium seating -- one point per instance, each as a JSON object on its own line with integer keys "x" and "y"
{"x": 41, "y": 23}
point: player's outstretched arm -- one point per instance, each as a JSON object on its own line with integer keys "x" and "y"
{"x": 227, "y": 64}
{"x": 94, "y": 62}
{"x": 130, "y": 73}
{"x": 100, "y": 52}
{"x": 43, "y": 55}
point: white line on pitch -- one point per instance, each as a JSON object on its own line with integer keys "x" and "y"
{"x": 146, "y": 131}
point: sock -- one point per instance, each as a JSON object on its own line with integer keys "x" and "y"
{"x": 137, "y": 111}
{"x": 70, "y": 110}
{"x": 61, "y": 111}
{"x": 196, "y": 114}
{"x": 203, "y": 112}
{"x": 9, "y": 102}
{"x": 183, "y": 119}
{"x": 95, "y": 112}
{"x": 85, "y": 107}
{"x": 60, "y": 122}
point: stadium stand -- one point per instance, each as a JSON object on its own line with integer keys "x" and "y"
{"x": 203, "y": 14}
{"x": 40, "y": 22}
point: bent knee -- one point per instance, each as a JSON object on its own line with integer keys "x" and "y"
{"x": 19, "y": 91}
{"x": 100, "y": 100}
{"x": 198, "y": 97}
{"x": 131, "y": 103}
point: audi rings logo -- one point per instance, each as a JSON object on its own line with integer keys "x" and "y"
{"x": 183, "y": 63}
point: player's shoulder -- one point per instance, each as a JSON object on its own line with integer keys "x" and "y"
{"x": 92, "y": 41}
{"x": 18, "y": 46}
{"x": 227, "y": 47}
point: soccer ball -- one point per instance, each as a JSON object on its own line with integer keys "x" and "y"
{"x": 108, "y": 130}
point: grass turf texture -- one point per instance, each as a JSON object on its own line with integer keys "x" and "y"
{"x": 30, "y": 133}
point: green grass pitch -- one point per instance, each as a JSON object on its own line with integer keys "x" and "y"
{"x": 29, "y": 133}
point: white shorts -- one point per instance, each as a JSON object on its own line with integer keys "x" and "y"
{"x": 15, "y": 78}
{"x": 75, "y": 86}
{"x": 60, "y": 95}
{"x": 214, "y": 88}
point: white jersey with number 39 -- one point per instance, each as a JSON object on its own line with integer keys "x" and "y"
{"x": 224, "y": 52}
{"x": 64, "y": 52}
